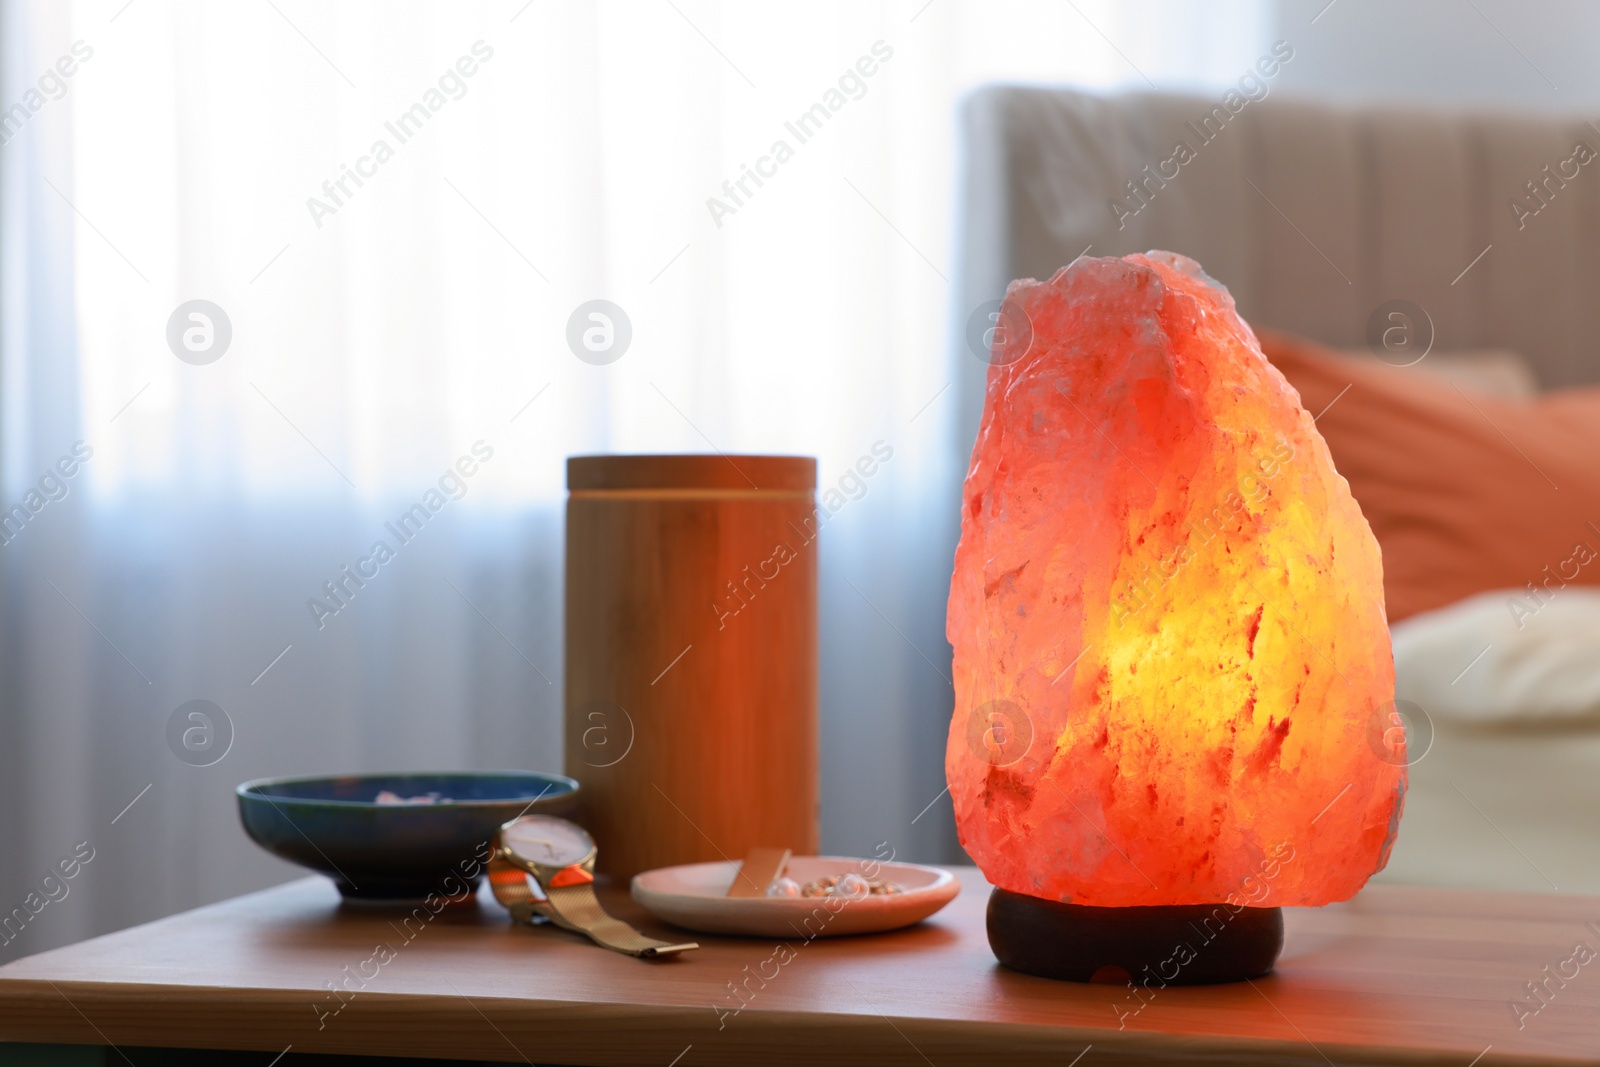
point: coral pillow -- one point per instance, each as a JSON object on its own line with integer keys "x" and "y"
{"x": 1465, "y": 491}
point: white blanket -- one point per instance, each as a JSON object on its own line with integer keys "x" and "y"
{"x": 1507, "y": 796}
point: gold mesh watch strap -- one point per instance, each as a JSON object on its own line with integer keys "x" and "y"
{"x": 576, "y": 908}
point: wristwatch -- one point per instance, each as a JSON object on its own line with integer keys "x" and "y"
{"x": 560, "y": 856}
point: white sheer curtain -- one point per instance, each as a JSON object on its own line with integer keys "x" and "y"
{"x": 534, "y": 156}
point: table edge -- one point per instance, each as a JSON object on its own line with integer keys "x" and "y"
{"x": 257, "y": 1019}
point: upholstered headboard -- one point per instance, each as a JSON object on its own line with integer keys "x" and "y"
{"x": 1312, "y": 215}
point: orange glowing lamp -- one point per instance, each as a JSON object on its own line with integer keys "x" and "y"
{"x": 1170, "y": 643}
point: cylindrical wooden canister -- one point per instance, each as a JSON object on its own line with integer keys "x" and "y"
{"x": 691, "y": 655}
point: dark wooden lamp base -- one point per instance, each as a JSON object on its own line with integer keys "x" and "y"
{"x": 1190, "y": 944}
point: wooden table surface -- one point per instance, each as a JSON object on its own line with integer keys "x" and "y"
{"x": 1398, "y": 975}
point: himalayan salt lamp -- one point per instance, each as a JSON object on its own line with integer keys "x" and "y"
{"x": 1170, "y": 642}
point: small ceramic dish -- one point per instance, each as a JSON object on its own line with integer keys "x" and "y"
{"x": 395, "y": 836}
{"x": 695, "y": 897}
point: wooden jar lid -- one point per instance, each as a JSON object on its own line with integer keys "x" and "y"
{"x": 700, "y": 471}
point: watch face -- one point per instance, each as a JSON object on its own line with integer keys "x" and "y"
{"x": 547, "y": 840}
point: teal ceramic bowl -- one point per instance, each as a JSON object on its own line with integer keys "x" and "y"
{"x": 436, "y": 842}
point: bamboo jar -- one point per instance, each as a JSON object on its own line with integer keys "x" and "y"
{"x": 691, "y": 655}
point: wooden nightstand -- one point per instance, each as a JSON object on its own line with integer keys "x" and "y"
{"x": 1398, "y": 975}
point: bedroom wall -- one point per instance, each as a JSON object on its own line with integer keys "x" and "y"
{"x": 1488, "y": 52}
